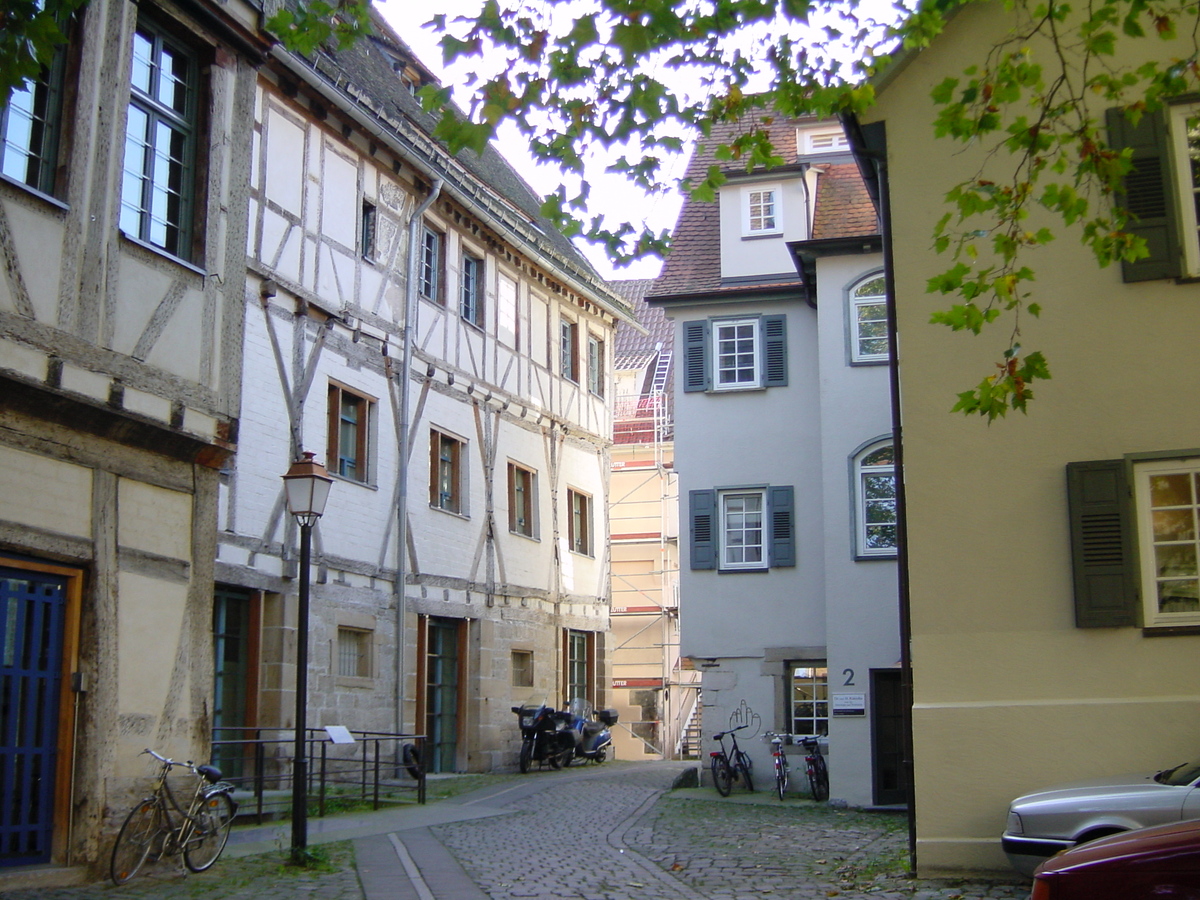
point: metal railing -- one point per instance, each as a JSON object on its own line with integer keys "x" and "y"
{"x": 376, "y": 767}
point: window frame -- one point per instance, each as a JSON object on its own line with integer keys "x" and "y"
{"x": 136, "y": 219}
{"x": 706, "y": 516}
{"x": 1148, "y": 571}
{"x": 363, "y": 642}
{"x": 455, "y": 500}
{"x": 749, "y": 216}
{"x": 727, "y": 546}
{"x": 595, "y": 365}
{"x": 470, "y": 289}
{"x": 568, "y": 349}
{"x": 819, "y": 680}
{"x": 363, "y": 433}
{"x": 700, "y": 357}
{"x": 527, "y": 667}
{"x": 431, "y": 275}
{"x": 578, "y": 669}
{"x": 751, "y": 322}
{"x": 862, "y": 524}
{"x": 580, "y": 528}
{"x": 1187, "y": 181}
{"x": 856, "y": 303}
{"x": 369, "y": 231}
{"x": 529, "y": 501}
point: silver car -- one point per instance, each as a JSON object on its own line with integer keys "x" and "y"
{"x": 1043, "y": 823}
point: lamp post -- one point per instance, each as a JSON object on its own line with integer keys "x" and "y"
{"x": 306, "y": 486}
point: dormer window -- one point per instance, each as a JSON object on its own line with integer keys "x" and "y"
{"x": 824, "y": 140}
{"x": 761, "y": 211}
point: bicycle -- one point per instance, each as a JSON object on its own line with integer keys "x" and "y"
{"x": 781, "y": 763}
{"x": 158, "y": 826}
{"x": 729, "y": 767}
{"x": 814, "y": 765}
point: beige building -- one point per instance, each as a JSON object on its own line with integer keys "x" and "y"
{"x": 123, "y": 234}
{"x": 656, "y": 692}
{"x": 1052, "y": 558}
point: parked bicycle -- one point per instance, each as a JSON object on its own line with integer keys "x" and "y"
{"x": 158, "y": 826}
{"x": 814, "y": 765}
{"x": 731, "y": 766}
{"x": 781, "y": 763}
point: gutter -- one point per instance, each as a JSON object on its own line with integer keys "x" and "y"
{"x": 434, "y": 163}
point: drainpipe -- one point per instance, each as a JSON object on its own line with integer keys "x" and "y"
{"x": 410, "y": 312}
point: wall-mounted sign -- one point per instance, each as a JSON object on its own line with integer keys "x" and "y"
{"x": 848, "y": 705}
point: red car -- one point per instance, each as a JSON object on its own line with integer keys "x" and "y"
{"x": 1159, "y": 863}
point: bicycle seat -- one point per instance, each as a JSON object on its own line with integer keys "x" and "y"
{"x": 210, "y": 773}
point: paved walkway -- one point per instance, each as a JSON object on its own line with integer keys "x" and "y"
{"x": 612, "y": 832}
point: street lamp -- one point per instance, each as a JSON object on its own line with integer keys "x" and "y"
{"x": 306, "y": 486}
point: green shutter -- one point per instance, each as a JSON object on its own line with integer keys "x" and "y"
{"x": 781, "y": 506}
{"x": 1149, "y": 194}
{"x": 695, "y": 355}
{"x": 703, "y": 510}
{"x": 775, "y": 368}
{"x": 1102, "y": 544}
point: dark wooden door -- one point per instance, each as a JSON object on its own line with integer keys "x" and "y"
{"x": 887, "y": 737}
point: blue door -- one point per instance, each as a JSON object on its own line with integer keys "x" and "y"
{"x": 32, "y": 615}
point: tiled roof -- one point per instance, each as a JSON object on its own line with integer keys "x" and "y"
{"x": 693, "y": 266}
{"x": 633, "y": 350}
{"x": 844, "y": 208}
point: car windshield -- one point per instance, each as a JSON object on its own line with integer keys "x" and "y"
{"x": 1186, "y": 773}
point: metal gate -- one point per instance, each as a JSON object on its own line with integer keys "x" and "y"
{"x": 32, "y": 616}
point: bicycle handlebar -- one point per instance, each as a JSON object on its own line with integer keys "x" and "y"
{"x": 721, "y": 734}
{"x": 169, "y": 762}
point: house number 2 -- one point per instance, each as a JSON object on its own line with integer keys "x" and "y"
{"x": 849, "y": 673}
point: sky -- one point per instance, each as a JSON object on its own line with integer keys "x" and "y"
{"x": 611, "y": 194}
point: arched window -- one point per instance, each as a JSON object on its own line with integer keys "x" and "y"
{"x": 875, "y": 482}
{"x": 868, "y": 320}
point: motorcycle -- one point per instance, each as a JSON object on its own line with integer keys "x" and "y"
{"x": 546, "y": 736}
{"x": 592, "y": 738}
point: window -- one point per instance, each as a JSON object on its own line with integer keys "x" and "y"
{"x": 760, "y": 210}
{"x": 353, "y": 653}
{"x": 579, "y": 522}
{"x": 875, "y": 483}
{"x": 522, "y": 502}
{"x": 29, "y": 128}
{"x": 735, "y": 353}
{"x": 429, "y": 283}
{"x": 568, "y": 345}
{"x": 348, "y": 433}
{"x": 1135, "y": 553}
{"x": 368, "y": 231}
{"x": 810, "y": 698}
{"x": 827, "y": 140}
{"x": 159, "y": 182}
{"x": 595, "y": 365}
{"x": 522, "y": 668}
{"x": 446, "y": 473}
{"x": 471, "y": 290}
{"x": 868, "y": 305}
{"x": 1160, "y": 191}
{"x": 743, "y": 529}
{"x": 579, "y": 654}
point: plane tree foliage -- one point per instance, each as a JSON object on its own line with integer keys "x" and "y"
{"x": 639, "y": 79}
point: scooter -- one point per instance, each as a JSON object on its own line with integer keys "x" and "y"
{"x": 592, "y": 738}
{"x": 546, "y": 736}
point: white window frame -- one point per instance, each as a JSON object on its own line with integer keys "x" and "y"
{"x": 839, "y": 143}
{"x": 756, "y": 381}
{"x": 775, "y": 223}
{"x": 863, "y": 548}
{"x": 1188, "y": 185}
{"x": 857, "y": 305}
{"x": 727, "y": 546}
{"x": 813, "y": 675}
{"x": 1149, "y": 575}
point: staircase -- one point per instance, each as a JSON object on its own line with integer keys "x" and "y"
{"x": 693, "y": 735}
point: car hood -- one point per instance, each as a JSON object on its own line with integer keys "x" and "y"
{"x": 1159, "y": 841}
{"x": 1134, "y": 783}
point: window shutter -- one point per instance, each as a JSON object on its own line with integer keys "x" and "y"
{"x": 703, "y": 510}
{"x": 695, "y": 355}
{"x": 1148, "y": 194}
{"x": 1101, "y": 544}
{"x": 774, "y": 332}
{"x": 781, "y": 504}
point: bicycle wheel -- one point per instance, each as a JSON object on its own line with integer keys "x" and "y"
{"x": 137, "y": 836}
{"x": 821, "y": 786}
{"x": 210, "y": 832}
{"x": 781, "y": 776}
{"x": 722, "y": 775}
{"x": 743, "y": 767}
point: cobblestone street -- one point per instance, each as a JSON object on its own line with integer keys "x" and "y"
{"x": 615, "y": 832}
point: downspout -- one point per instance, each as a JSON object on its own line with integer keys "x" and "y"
{"x": 410, "y": 312}
{"x": 810, "y": 215}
